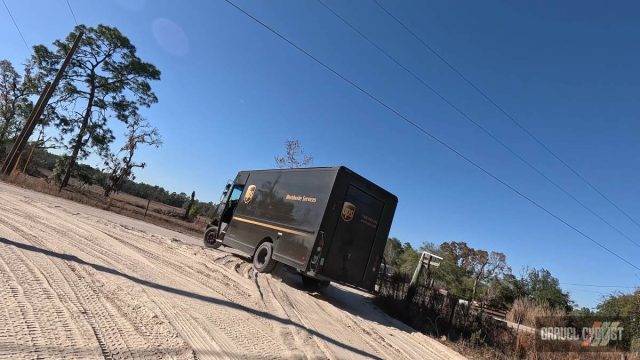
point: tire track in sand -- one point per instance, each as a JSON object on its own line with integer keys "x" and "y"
{"x": 52, "y": 318}
{"x": 247, "y": 334}
{"x": 99, "y": 326}
{"x": 160, "y": 291}
{"x": 179, "y": 316}
{"x": 114, "y": 334}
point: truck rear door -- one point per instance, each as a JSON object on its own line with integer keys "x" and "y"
{"x": 353, "y": 238}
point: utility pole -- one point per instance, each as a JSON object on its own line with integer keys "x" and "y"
{"x": 33, "y": 147}
{"x": 426, "y": 260}
{"x": 14, "y": 154}
{"x": 34, "y": 118}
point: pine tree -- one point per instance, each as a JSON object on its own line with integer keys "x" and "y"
{"x": 106, "y": 80}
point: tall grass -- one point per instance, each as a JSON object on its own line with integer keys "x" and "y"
{"x": 525, "y": 311}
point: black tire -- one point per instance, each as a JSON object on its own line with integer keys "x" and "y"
{"x": 312, "y": 284}
{"x": 262, "y": 259}
{"x": 210, "y": 240}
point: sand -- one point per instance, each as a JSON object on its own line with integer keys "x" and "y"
{"x": 79, "y": 282}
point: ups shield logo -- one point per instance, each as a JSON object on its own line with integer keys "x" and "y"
{"x": 348, "y": 211}
{"x": 248, "y": 196}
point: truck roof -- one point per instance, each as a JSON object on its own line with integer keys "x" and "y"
{"x": 301, "y": 169}
{"x": 334, "y": 168}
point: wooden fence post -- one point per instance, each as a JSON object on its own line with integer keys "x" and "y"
{"x": 147, "y": 208}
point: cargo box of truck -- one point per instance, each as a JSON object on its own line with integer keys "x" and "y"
{"x": 330, "y": 224}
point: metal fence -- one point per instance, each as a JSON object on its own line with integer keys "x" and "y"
{"x": 437, "y": 312}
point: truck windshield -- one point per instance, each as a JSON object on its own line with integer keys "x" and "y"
{"x": 236, "y": 192}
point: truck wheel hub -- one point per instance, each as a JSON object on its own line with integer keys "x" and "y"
{"x": 262, "y": 255}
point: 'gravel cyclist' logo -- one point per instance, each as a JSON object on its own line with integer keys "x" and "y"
{"x": 248, "y": 196}
{"x": 348, "y": 211}
{"x": 579, "y": 333}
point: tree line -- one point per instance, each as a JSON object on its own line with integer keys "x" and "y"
{"x": 88, "y": 175}
{"x": 478, "y": 275}
{"x": 485, "y": 277}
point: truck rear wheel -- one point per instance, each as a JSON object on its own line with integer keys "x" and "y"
{"x": 262, "y": 259}
{"x": 210, "y": 239}
{"x": 313, "y": 284}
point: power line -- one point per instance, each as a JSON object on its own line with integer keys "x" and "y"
{"x": 508, "y": 115}
{"x": 73, "y": 14}
{"x": 16, "y": 25}
{"x": 604, "y": 286}
{"x": 427, "y": 133}
{"x": 468, "y": 118}
{"x": 601, "y": 293}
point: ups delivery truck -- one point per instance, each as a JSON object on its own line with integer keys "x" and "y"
{"x": 330, "y": 224}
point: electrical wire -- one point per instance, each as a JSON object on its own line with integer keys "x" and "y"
{"x": 478, "y": 125}
{"x": 16, "y": 25}
{"x": 508, "y": 115}
{"x": 428, "y": 134}
{"x": 604, "y": 286}
{"x": 73, "y": 14}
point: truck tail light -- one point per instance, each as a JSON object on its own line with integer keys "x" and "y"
{"x": 321, "y": 241}
{"x": 316, "y": 260}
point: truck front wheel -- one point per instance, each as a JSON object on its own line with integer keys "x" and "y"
{"x": 210, "y": 240}
{"x": 262, "y": 259}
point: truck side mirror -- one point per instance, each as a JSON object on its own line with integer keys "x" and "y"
{"x": 225, "y": 191}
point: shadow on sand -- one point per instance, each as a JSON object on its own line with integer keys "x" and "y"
{"x": 355, "y": 302}
{"x": 212, "y": 300}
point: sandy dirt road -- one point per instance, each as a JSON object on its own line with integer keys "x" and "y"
{"x": 78, "y": 282}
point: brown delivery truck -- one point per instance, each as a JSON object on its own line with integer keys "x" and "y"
{"x": 330, "y": 224}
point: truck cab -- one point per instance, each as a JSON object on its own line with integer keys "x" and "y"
{"x": 222, "y": 215}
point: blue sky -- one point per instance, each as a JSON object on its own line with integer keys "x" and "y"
{"x": 232, "y": 93}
